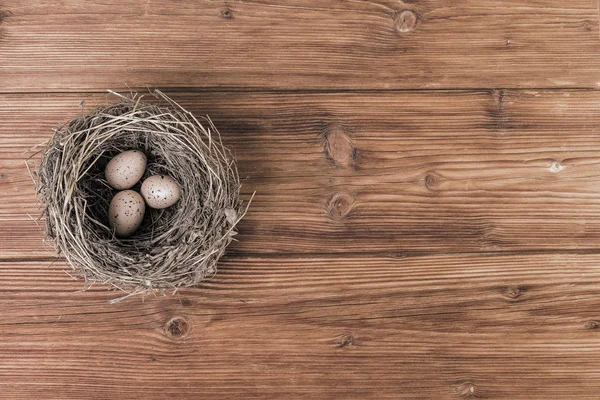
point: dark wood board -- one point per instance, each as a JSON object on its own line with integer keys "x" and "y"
{"x": 435, "y": 327}
{"x": 409, "y": 171}
{"x": 298, "y": 44}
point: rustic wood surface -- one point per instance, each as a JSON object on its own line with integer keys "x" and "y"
{"x": 427, "y": 215}
{"x": 51, "y": 45}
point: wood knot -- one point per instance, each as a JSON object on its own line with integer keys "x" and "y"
{"x": 467, "y": 390}
{"x": 432, "y": 181}
{"x": 405, "y": 21}
{"x": 340, "y": 204}
{"x": 4, "y": 14}
{"x": 587, "y": 25}
{"x": 338, "y": 146}
{"x": 513, "y": 292}
{"x": 177, "y": 328}
{"x": 556, "y": 167}
{"x": 592, "y": 324}
{"x": 398, "y": 255}
{"x": 186, "y": 302}
{"x": 226, "y": 13}
{"x": 346, "y": 340}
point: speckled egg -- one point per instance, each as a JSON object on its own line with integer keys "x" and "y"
{"x": 160, "y": 191}
{"x": 126, "y": 212}
{"x": 125, "y": 169}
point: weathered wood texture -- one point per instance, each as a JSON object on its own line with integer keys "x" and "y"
{"x": 403, "y": 243}
{"x": 394, "y": 172}
{"x": 431, "y": 327}
{"x": 298, "y": 44}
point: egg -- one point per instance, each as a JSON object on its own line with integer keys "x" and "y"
{"x": 125, "y": 169}
{"x": 160, "y": 191}
{"x": 126, "y": 212}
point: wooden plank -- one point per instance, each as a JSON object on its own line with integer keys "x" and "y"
{"x": 71, "y": 45}
{"x": 502, "y": 327}
{"x": 392, "y": 172}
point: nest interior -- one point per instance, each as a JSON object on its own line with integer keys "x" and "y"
{"x": 174, "y": 247}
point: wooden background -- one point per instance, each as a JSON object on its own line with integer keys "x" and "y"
{"x": 427, "y": 215}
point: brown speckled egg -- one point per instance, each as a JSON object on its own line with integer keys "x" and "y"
{"x": 160, "y": 191}
{"x": 126, "y": 212}
{"x": 125, "y": 169}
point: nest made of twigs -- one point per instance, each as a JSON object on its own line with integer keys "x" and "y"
{"x": 174, "y": 247}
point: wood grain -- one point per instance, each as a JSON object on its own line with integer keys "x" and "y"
{"x": 436, "y": 327}
{"x": 407, "y": 171}
{"x": 298, "y": 44}
{"x": 425, "y": 223}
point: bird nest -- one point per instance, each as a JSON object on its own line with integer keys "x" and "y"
{"x": 174, "y": 247}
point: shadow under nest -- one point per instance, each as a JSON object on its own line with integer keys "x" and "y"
{"x": 174, "y": 247}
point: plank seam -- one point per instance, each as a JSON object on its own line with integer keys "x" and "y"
{"x": 226, "y": 89}
{"x": 361, "y": 255}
